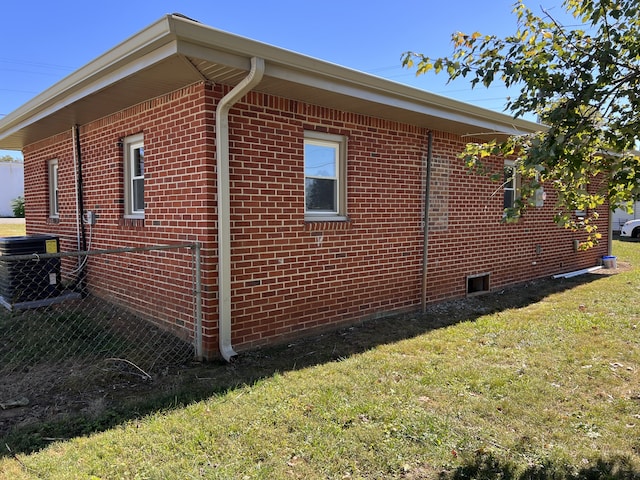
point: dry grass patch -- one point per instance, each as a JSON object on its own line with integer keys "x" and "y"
{"x": 11, "y": 228}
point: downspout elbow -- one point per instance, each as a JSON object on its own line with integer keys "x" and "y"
{"x": 224, "y": 200}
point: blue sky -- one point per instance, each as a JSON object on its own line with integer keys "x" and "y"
{"x": 44, "y": 41}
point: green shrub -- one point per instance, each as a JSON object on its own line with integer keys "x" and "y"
{"x": 17, "y": 204}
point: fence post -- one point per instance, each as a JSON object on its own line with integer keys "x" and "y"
{"x": 198, "y": 299}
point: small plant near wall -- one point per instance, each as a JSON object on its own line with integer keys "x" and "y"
{"x": 17, "y": 204}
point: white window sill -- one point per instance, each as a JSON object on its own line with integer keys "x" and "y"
{"x": 326, "y": 218}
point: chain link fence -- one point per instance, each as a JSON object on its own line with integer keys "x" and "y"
{"x": 127, "y": 311}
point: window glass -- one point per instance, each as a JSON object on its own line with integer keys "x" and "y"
{"x": 138, "y": 162}
{"x": 324, "y": 172}
{"x": 320, "y": 194}
{"x": 54, "y": 203}
{"x": 509, "y": 186}
{"x": 138, "y": 195}
{"x": 137, "y": 181}
{"x": 134, "y": 176}
{"x": 320, "y": 160}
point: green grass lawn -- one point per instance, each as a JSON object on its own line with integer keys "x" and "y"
{"x": 547, "y": 391}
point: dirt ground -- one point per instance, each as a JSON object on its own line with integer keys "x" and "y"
{"x": 47, "y": 403}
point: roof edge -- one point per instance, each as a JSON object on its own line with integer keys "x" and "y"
{"x": 146, "y": 40}
{"x": 196, "y": 32}
{"x": 155, "y": 42}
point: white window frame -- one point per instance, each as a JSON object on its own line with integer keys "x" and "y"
{"x": 130, "y": 145}
{"x": 514, "y": 184}
{"x": 339, "y": 143}
{"x": 54, "y": 197}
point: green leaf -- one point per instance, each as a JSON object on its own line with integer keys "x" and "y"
{"x": 584, "y": 83}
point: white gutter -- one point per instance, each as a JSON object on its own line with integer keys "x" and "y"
{"x": 224, "y": 200}
{"x": 303, "y": 69}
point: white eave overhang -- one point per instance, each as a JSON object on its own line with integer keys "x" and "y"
{"x": 175, "y": 52}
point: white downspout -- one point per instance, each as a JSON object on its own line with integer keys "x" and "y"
{"x": 224, "y": 210}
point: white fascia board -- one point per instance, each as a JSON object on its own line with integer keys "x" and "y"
{"x": 52, "y": 104}
{"x": 109, "y": 67}
{"x": 369, "y": 87}
{"x": 423, "y": 104}
{"x": 172, "y": 34}
{"x": 289, "y": 65}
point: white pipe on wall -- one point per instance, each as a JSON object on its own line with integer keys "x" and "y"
{"x": 224, "y": 210}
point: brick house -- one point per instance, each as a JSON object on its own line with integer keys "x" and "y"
{"x": 304, "y": 181}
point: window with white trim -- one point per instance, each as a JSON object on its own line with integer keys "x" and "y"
{"x": 134, "y": 176}
{"x": 54, "y": 204}
{"x": 325, "y": 176}
{"x": 510, "y": 185}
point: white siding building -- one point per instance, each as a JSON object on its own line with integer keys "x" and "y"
{"x": 620, "y": 216}
{"x": 12, "y": 185}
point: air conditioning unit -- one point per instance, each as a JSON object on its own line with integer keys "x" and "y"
{"x": 27, "y": 282}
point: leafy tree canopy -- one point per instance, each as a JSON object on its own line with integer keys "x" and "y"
{"x": 584, "y": 85}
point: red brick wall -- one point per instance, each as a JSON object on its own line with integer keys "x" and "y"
{"x": 180, "y": 206}
{"x": 467, "y": 236}
{"x": 467, "y": 224}
{"x": 289, "y": 275}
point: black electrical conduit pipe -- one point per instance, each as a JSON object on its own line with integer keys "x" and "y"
{"x": 79, "y": 283}
{"x": 80, "y": 188}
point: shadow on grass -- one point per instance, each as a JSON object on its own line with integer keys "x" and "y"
{"x": 113, "y": 404}
{"x": 487, "y": 467}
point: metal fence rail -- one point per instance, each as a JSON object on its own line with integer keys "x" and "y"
{"x": 127, "y": 311}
